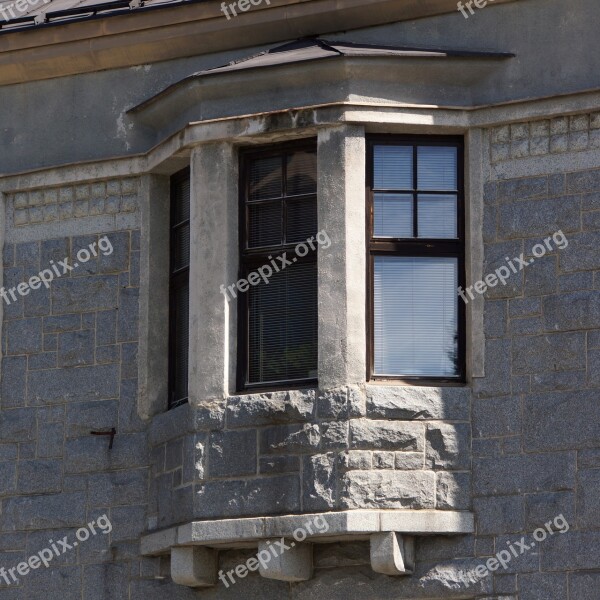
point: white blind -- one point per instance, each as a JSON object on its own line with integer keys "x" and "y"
{"x": 393, "y": 167}
{"x": 436, "y": 168}
{"x": 437, "y": 215}
{"x": 415, "y": 320}
{"x": 393, "y": 215}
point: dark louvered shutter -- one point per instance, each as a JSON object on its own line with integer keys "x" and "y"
{"x": 179, "y": 289}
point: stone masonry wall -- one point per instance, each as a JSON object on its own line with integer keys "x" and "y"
{"x": 305, "y": 451}
{"x": 536, "y": 415}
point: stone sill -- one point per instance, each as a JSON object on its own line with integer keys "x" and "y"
{"x": 343, "y": 526}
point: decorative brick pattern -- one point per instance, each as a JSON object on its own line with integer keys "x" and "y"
{"x": 74, "y": 202}
{"x": 549, "y": 136}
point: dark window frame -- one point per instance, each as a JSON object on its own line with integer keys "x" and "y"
{"x": 252, "y": 258}
{"x": 178, "y": 278}
{"x": 415, "y": 247}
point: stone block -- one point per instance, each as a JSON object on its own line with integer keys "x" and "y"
{"x": 577, "y": 310}
{"x": 318, "y": 482}
{"x": 417, "y": 403}
{"x": 279, "y": 464}
{"x": 541, "y": 277}
{"x": 453, "y": 491}
{"x": 50, "y": 439}
{"x": 286, "y": 439}
{"x": 24, "y": 336}
{"x": 270, "y": 408}
{"x": 76, "y": 348}
{"x": 333, "y": 404}
{"x": 535, "y": 217}
{"x": 50, "y": 511}
{"x": 409, "y": 461}
{"x": 571, "y": 551}
{"x": 555, "y": 352}
{"x": 497, "y": 372}
{"x": 494, "y": 318}
{"x": 356, "y": 460}
{"x": 525, "y": 473}
{"x": 499, "y": 514}
{"x": 91, "y": 453}
{"x": 561, "y": 421}
{"x": 118, "y": 260}
{"x": 588, "y": 459}
{"x": 386, "y": 435}
{"x": 249, "y": 497}
{"x": 582, "y": 252}
{"x": 108, "y": 581}
{"x": 17, "y": 425}
{"x": 494, "y": 417}
{"x": 522, "y": 189}
{"x": 495, "y": 257}
{"x": 584, "y": 586}
{"x": 383, "y": 460}
{"x": 583, "y": 181}
{"x": 194, "y": 567}
{"x": 39, "y": 476}
{"x": 588, "y": 499}
{"x": 62, "y": 323}
{"x": 106, "y": 327}
{"x": 542, "y": 508}
{"x": 334, "y": 435}
{"x": 121, "y": 488}
{"x": 232, "y": 453}
{"x": 8, "y": 478}
{"x": 128, "y": 315}
{"x": 83, "y": 417}
{"x": 448, "y": 446}
{"x": 82, "y": 294}
{"x": 83, "y": 383}
{"x": 387, "y": 489}
{"x": 14, "y": 373}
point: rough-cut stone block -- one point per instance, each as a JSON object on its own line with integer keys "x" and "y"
{"x": 417, "y": 403}
{"x": 383, "y": 460}
{"x": 334, "y": 435}
{"x": 409, "y": 461}
{"x": 333, "y": 404}
{"x": 448, "y": 446}
{"x": 271, "y": 408}
{"x": 232, "y": 453}
{"x": 209, "y": 415}
{"x": 250, "y": 497}
{"x": 387, "y": 489}
{"x": 386, "y": 435}
{"x": 279, "y": 464}
{"x": 356, "y": 460}
{"x": 319, "y": 482}
{"x": 453, "y": 491}
{"x": 286, "y": 439}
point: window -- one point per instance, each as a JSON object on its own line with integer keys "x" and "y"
{"x": 179, "y": 290}
{"x": 416, "y": 258}
{"x": 278, "y": 317}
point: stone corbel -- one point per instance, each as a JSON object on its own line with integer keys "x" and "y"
{"x": 392, "y": 553}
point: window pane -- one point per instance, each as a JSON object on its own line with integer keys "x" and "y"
{"x": 393, "y": 215}
{"x": 301, "y": 220}
{"x": 266, "y": 178}
{"x": 283, "y": 326}
{"x": 415, "y": 320}
{"x": 265, "y": 224}
{"x": 436, "y": 168}
{"x": 437, "y": 215}
{"x": 181, "y": 201}
{"x": 302, "y": 173}
{"x": 393, "y": 167}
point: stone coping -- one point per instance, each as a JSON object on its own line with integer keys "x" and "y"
{"x": 342, "y": 526}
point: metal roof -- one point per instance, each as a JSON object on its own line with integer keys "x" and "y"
{"x": 317, "y": 48}
{"x": 42, "y": 13}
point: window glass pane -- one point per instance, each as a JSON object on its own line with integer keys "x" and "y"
{"x": 301, "y": 220}
{"x": 393, "y": 167}
{"x": 437, "y": 215}
{"x": 283, "y": 326}
{"x": 415, "y": 320}
{"x": 265, "y": 224}
{"x": 301, "y": 173}
{"x": 393, "y": 215}
{"x": 266, "y": 178}
{"x": 436, "y": 168}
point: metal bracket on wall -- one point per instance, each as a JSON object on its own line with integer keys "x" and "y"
{"x": 112, "y": 432}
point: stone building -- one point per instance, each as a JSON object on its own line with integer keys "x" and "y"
{"x": 300, "y": 299}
